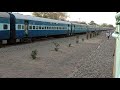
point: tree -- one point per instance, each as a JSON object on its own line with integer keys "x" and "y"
{"x": 92, "y": 23}
{"x": 104, "y": 25}
{"x": 83, "y": 22}
{"x": 110, "y": 25}
{"x": 51, "y": 15}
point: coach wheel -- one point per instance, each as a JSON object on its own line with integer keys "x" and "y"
{"x": 0, "y": 42}
{"x": 90, "y": 35}
{"x": 12, "y": 41}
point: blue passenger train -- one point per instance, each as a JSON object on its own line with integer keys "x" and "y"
{"x": 17, "y": 26}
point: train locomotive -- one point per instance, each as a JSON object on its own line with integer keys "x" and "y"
{"x": 17, "y": 26}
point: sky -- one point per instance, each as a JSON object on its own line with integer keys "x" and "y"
{"x": 97, "y": 17}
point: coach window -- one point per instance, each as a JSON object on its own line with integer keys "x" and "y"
{"x": 36, "y": 27}
{"x": 52, "y": 28}
{"x": 39, "y": 27}
{"x": 5, "y": 26}
{"x": 49, "y": 27}
{"x": 30, "y": 27}
{"x": 45, "y": 28}
{"x": 33, "y": 27}
{"x": 22, "y": 26}
{"x": 19, "y": 27}
{"x": 42, "y": 27}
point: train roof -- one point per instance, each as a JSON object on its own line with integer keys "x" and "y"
{"x": 28, "y": 17}
{"x": 4, "y": 14}
{"x": 78, "y": 24}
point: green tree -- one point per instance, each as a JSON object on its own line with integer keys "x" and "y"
{"x": 92, "y": 23}
{"x": 51, "y": 15}
{"x": 104, "y": 25}
{"x": 83, "y": 22}
{"x": 110, "y": 25}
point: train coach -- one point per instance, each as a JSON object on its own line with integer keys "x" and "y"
{"x": 17, "y": 26}
{"x": 4, "y": 26}
{"x": 78, "y": 28}
{"x": 36, "y": 26}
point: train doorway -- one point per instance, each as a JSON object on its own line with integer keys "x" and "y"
{"x": 73, "y": 29}
{"x": 26, "y": 26}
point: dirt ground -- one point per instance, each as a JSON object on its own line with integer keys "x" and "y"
{"x": 90, "y": 58}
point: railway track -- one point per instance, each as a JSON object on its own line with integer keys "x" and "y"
{"x": 27, "y": 40}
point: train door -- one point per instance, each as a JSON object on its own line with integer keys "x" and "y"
{"x": 68, "y": 32}
{"x": 73, "y": 29}
{"x": 26, "y": 26}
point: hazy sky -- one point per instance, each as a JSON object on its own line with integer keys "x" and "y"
{"x": 98, "y": 17}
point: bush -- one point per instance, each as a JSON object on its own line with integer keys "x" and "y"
{"x": 34, "y": 54}
{"x": 77, "y": 39}
{"x": 70, "y": 45}
{"x": 82, "y": 39}
{"x": 56, "y": 49}
{"x": 56, "y": 46}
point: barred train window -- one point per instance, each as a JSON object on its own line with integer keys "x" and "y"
{"x": 30, "y": 27}
{"x": 36, "y": 27}
{"x": 22, "y": 26}
{"x": 39, "y": 27}
{"x": 49, "y": 27}
{"x": 33, "y": 27}
{"x": 53, "y": 28}
{"x": 5, "y": 26}
{"x": 19, "y": 26}
{"x": 42, "y": 27}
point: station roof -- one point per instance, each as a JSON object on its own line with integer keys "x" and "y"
{"x": 29, "y": 17}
